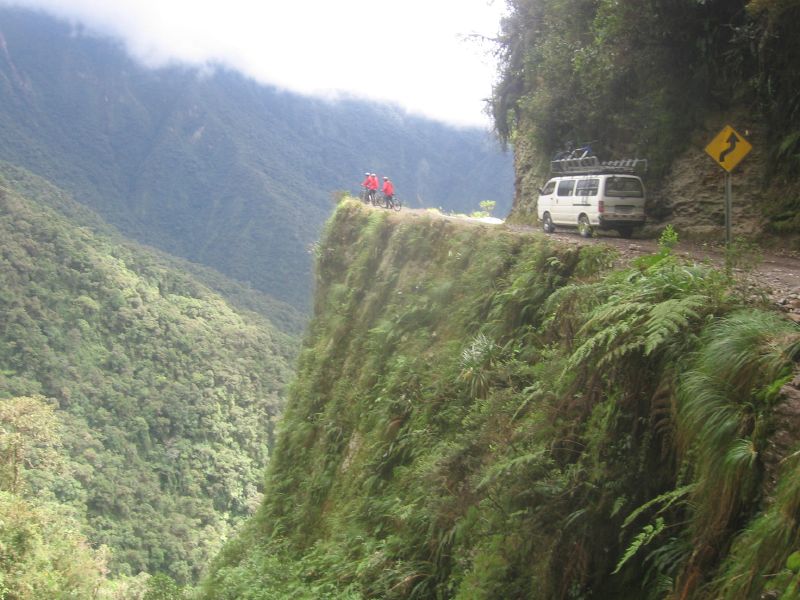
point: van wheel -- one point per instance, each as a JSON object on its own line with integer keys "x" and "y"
{"x": 625, "y": 232}
{"x": 547, "y": 223}
{"x": 583, "y": 226}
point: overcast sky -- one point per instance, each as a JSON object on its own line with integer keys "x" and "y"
{"x": 411, "y": 52}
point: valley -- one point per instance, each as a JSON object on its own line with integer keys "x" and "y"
{"x": 223, "y": 377}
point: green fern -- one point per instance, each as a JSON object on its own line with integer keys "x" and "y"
{"x": 670, "y": 317}
{"x": 645, "y": 536}
{"x": 666, "y": 500}
{"x": 638, "y": 312}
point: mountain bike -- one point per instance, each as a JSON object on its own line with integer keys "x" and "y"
{"x": 368, "y": 196}
{"x": 569, "y": 152}
{"x": 392, "y": 203}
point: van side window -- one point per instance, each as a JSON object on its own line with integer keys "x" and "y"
{"x": 624, "y": 186}
{"x": 565, "y": 187}
{"x": 587, "y": 187}
{"x": 548, "y": 189}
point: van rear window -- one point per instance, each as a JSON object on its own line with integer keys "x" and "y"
{"x": 587, "y": 187}
{"x": 624, "y": 186}
{"x": 565, "y": 187}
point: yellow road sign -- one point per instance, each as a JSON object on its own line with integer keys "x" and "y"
{"x": 728, "y": 148}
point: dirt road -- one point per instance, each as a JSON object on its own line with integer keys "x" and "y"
{"x": 778, "y": 273}
{"x": 775, "y": 273}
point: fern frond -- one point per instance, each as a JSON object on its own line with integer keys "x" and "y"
{"x": 669, "y": 317}
{"x": 612, "y": 312}
{"x": 667, "y": 499}
{"x": 602, "y": 342}
{"x": 508, "y": 467}
{"x": 645, "y": 536}
{"x": 620, "y": 352}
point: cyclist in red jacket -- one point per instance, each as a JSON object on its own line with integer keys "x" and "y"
{"x": 365, "y": 184}
{"x": 388, "y": 190}
{"x": 373, "y": 187}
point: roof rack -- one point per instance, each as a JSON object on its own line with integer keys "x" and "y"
{"x": 591, "y": 165}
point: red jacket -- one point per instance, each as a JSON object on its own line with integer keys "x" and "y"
{"x": 388, "y": 188}
{"x": 366, "y": 182}
{"x": 373, "y": 182}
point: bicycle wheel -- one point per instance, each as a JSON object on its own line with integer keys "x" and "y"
{"x": 397, "y": 204}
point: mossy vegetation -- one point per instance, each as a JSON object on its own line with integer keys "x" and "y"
{"x": 481, "y": 414}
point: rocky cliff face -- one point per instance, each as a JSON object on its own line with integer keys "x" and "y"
{"x": 691, "y": 196}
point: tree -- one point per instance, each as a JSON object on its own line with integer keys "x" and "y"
{"x": 162, "y": 587}
{"x": 29, "y": 434}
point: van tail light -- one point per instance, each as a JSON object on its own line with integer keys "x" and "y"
{"x": 601, "y": 206}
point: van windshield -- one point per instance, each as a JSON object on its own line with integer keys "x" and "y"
{"x": 624, "y": 186}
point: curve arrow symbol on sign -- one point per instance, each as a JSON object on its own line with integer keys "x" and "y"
{"x": 733, "y": 139}
{"x": 727, "y": 149}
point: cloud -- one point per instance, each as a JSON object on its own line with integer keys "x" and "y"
{"x": 412, "y": 53}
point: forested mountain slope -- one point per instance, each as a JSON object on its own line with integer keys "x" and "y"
{"x": 659, "y": 79}
{"x": 283, "y": 316}
{"x": 484, "y": 414}
{"x": 166, "y": 394}
{"x": 211, "y": 166}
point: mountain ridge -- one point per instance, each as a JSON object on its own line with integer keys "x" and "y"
{"x": 281, "y": 315}
{"x": 215, "y": 167}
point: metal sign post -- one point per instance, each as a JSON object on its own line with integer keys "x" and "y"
{"x": 728, "y": 208}
{"x": 727, "y": 149}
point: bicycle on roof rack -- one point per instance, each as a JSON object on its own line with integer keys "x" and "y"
{"x": 582, "y": 151}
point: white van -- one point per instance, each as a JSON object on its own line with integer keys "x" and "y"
{"x": 605, "y": 201}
